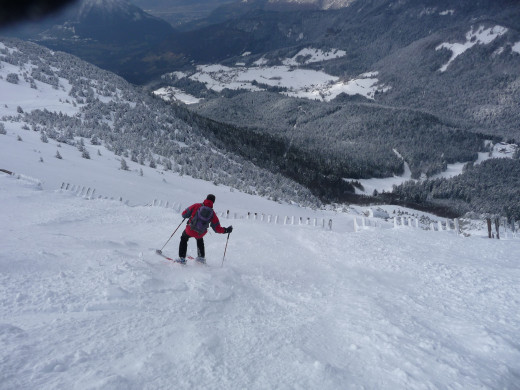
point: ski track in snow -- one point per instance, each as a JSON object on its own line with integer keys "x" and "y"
{"x": 86, "y": 304}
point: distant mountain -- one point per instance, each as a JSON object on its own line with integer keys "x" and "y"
{"x": 112, "y": 34}
{"x": 427, "y": 53}
{"x": 180, "y": 12}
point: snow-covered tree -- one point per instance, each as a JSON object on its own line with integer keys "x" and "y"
{"x": 12, "y": 78}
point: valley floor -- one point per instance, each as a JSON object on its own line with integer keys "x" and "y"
{"x": 86, "y": 304}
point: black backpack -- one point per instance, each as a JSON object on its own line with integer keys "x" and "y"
{"x": 201, "y": 220}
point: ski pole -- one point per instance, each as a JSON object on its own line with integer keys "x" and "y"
{"x": 225, "y": 249}
{"x": 160, "y": 250}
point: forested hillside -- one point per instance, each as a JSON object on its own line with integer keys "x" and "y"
{"x": 349, "y": 140}
{"x": 85, "y": 104}
{"x": 492, "y": 187}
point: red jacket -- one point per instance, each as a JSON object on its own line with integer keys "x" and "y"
{"x": 192, "y": 210}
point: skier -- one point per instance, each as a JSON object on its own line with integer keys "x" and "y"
{"x": 201, "y": 216}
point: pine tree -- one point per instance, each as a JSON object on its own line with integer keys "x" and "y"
{"x": 124, "y": 165}
{"x": 58, "y": 155}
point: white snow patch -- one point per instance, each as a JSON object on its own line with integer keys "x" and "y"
{"x": 482, "y": 36}
{"x": 449, "y": 12}
{"x": 516, "y": 47}
{"x": 261, "y": 61}
{"x": 310, "y": 55}
{"x": 383, "y": 184}
{"x": 175, "y": 94}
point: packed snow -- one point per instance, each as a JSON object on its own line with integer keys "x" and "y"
{"x": 337, "y": 298}
{"x": 85, "y": 302}
{"x": 480, "y": 36}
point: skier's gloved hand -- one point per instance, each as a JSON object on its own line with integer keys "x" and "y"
{"x": 229, "y": 229}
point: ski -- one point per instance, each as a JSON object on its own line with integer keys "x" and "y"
{"x": 160, "y": 253}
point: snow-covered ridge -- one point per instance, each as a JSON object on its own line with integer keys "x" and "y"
{"x": 478, "y": 36}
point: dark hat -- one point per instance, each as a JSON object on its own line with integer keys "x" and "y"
{"x": 211, "y": 197}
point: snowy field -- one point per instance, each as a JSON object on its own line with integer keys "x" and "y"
{"x": 85, "y": 303}
{"x": 298, "y": 82}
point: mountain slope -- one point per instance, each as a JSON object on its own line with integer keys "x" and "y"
{"x": 112, "y": 34}
{"x": 381, "y": 308}
{"x": 63, "y": 100}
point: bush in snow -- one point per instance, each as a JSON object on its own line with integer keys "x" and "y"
{"x": 124, "y": 165}
{"x": 58, "y": 155}
{"x": 2, "y": 129}
{"x": 12, "y": 78}
{"x": 43, "y": 137}
{"x": 85, "y": 154}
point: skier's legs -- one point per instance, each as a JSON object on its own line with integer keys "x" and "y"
{"x": 200, "y": 248}
{"x": 183, "y": 245}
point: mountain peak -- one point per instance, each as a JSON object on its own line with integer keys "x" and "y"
{"x": 110, "y": 8}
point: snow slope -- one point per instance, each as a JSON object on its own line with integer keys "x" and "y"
{"x": 86, "y": 304}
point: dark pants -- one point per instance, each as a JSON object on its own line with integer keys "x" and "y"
{"x": 183, "y": 246}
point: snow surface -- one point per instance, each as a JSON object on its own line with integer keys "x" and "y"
{"x": 85, "y": 303}
{"x": 482, "y": 36}
{"x": 383, "y": 184}
{"x": 31, "y": 99}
